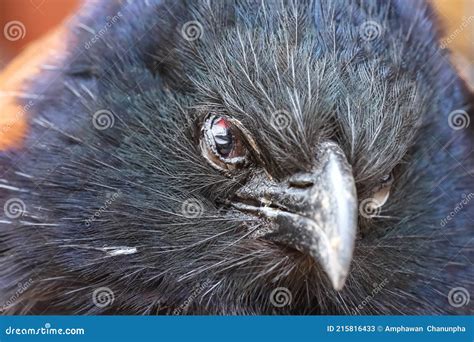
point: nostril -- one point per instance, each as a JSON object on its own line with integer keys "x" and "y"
{"x": 301, "y": 182}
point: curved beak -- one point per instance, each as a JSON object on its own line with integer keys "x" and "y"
{"x": 314, "y": 212}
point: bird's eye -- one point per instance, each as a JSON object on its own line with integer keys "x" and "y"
{"x": 382, "y": 191}
{"x": 222, "y": 143}
{"x": 387, "y": 179}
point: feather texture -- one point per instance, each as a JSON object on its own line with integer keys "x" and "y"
{"x": 110, "y": 207}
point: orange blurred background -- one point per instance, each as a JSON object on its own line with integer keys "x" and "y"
{"x": 37, "y": 16}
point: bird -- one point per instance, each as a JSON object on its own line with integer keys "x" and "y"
{"x": 240, "y": 158}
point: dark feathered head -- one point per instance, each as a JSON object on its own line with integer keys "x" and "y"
{"x": 205, "y": 157}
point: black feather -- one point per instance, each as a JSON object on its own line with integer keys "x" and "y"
{"x": 90, "y": 194}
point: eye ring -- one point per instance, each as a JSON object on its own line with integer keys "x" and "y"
{"x": 222, "y": 143}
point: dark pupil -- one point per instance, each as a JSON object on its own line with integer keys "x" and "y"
{"x": 222, "y": 137}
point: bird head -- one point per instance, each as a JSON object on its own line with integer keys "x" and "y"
{"x": 280, "y": 137}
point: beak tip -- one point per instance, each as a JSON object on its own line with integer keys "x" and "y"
{"x": 338, "y": 262}
{"x": 338, "y": 281}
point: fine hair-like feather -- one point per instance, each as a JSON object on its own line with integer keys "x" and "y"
{"x": 109, "y": 208}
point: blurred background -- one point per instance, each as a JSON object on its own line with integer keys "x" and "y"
{"x": 40, "y": 16}
{"x": 37, "y": 16}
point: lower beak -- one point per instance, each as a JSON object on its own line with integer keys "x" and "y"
{"x": 313, "y": 212}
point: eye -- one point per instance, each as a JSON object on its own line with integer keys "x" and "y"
{"x": 382, "y": 191}
{"x": 387, "y": 179}
{"x": 222, "y": 143}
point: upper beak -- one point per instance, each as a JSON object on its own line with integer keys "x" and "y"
{"x": 314, "y": 212}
